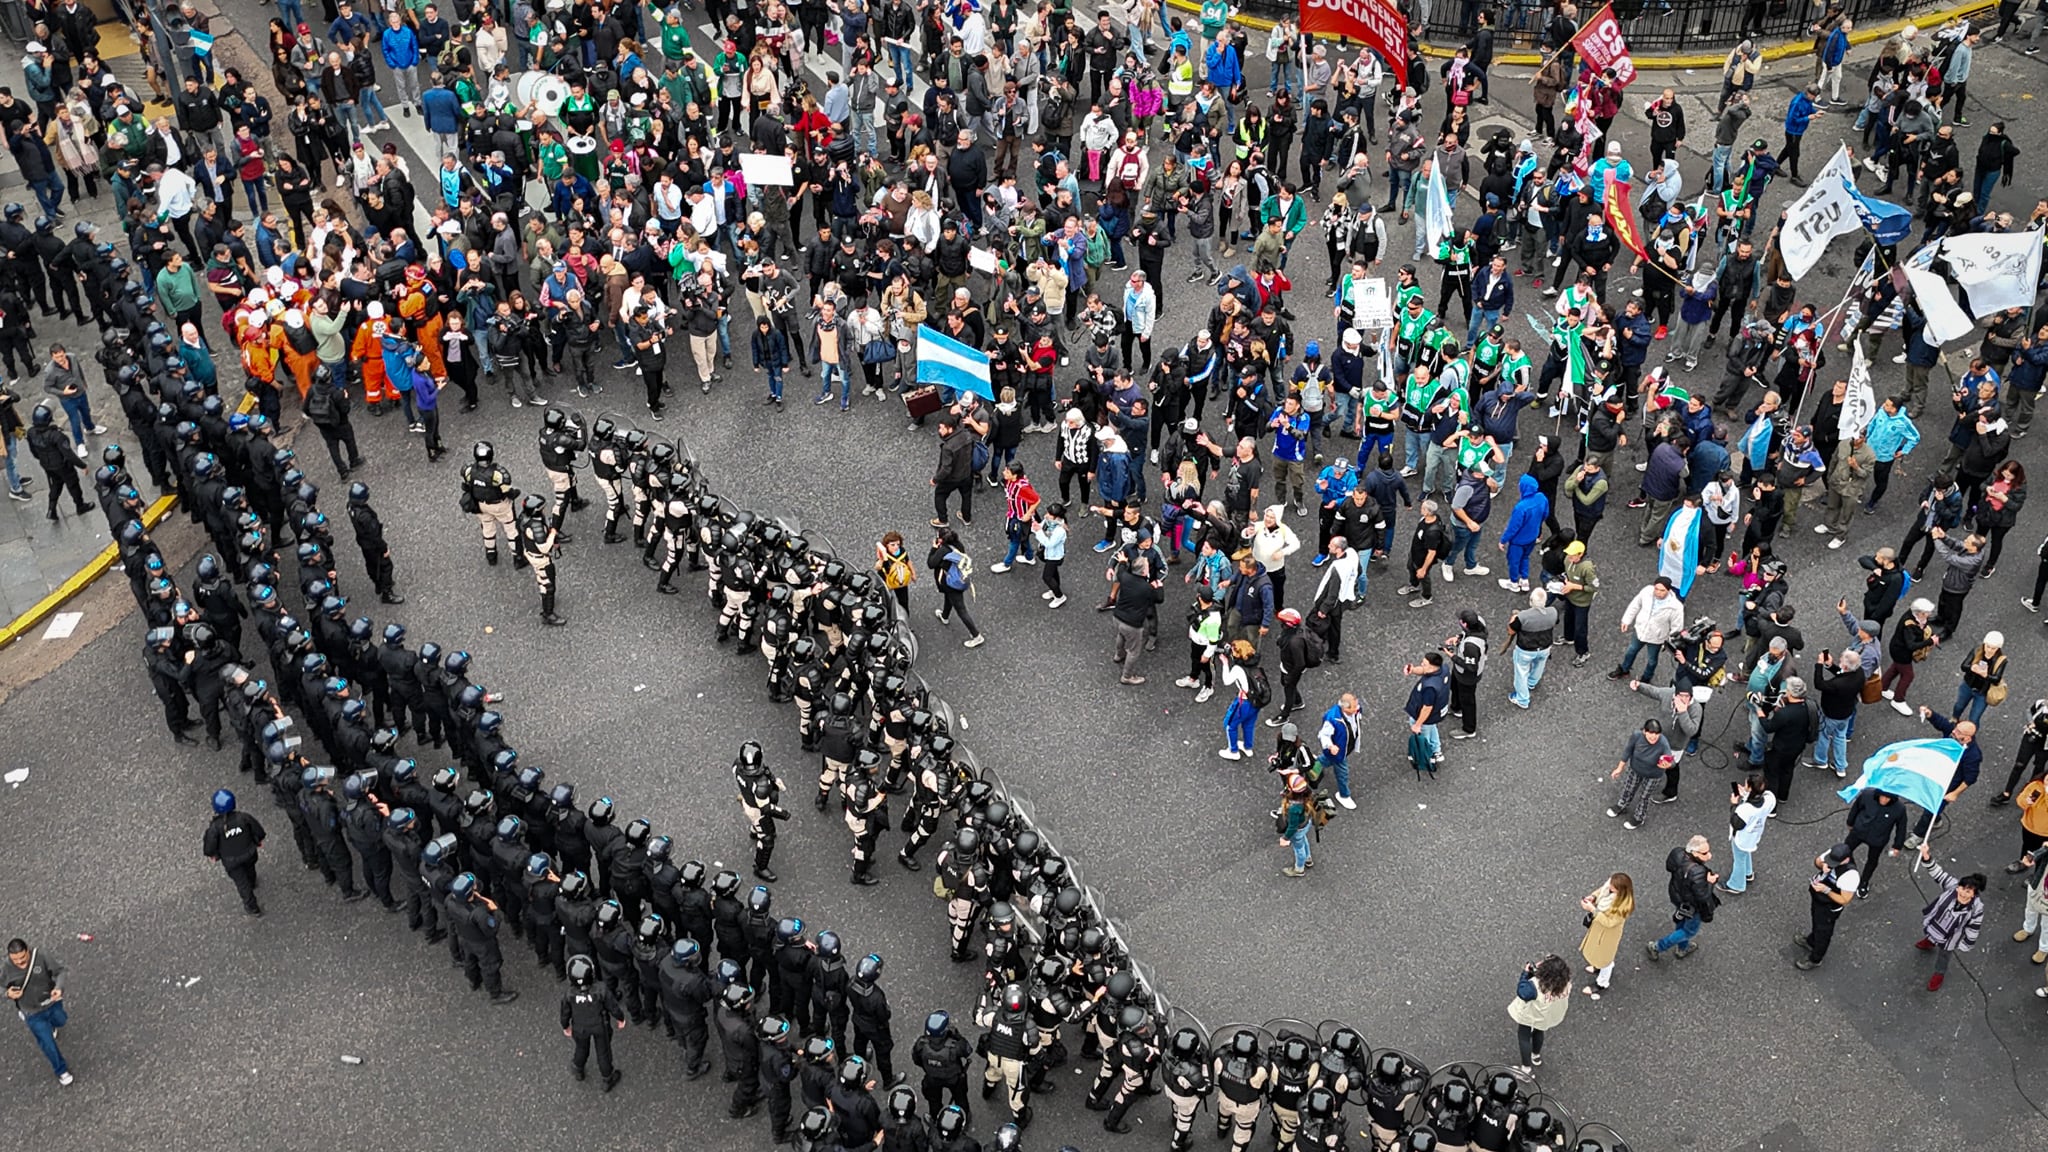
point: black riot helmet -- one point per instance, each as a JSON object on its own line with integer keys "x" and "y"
{"x": 1500, "y": 1088}
{"x": 692, "y": 874}
{"x": 649, "y": 929}
{"x": 951, "y": 1121}
{"x": 1013, "y": 997}
{"x": 581, "y": 970}
{"x": 750, "y": 754}
{"x": 562, "y": 796}
{"x": 869, "y": 969}
{"x": 575, "y": 886}
{"x": 609, "y": 914}
{"x": 737, "y": 997}
{"x": 759, "y": 900}
{"x": 902, "y": 1103}
{"x": 1186, "y": 1044}
{"x": 937, "y": 1024}
{"x": 601, "y": 811}
{"x": 725, "y": 883}
{"x": 483, "y": 452}
{"x": 637, "y": 832}
{"x": 1244, "y": 1042}
{"x": 828, "y": 944}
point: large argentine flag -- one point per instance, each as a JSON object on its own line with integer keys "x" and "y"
{"x": 1916, "y": 771}
{"x": 948, "y": 363}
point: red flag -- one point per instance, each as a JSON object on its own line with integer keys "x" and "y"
{"x": 1622, "y": 219}
{"x": 1600, "y": 43}
{"x": 1376, "y": 23}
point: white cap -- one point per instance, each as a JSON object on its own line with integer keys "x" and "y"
{"x": 376, "y": 309}
{"x": 1994, "y": 639}
{"x": 35, "y": 48}
{"x": 256, "y": 298}
{"x": 294, "y": 317}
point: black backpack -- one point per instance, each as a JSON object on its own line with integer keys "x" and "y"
{"x": 1260, "y": 691}
{"x": 1313, "y": 648}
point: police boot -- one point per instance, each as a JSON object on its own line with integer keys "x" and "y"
{"x": 1098, "y": 1094}
{"x": 519, "y": 559}
{"x": 1024, "y": 1117}
{"x": 611, "y": 530}
{"x": 647, "y": 551}
{"x": 908, "y": 861}
{"x": 860, "y": 875}
{"x": 1114, "y": 1122}
{"x": 724, "y": 634}
{"x": 663, "y": 586}
{"x": 824, "y": 798}
{"x": 761, "y": 869}
{"x": 548, "y": 616}
{"x": 1181, "y": 1142}
{"x": 491, "y": 556}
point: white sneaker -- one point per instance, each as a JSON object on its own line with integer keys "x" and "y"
{"x": 999, "y": 566}
{"x": 1449, "y": 576}
{"x": 1029, "y": 561}
{"x": 1837, "y": 542}
{"x": 1056, "y": 602}
{"x": 1230, "y": 753}
{"x": 974, "y": 642}
{"x": 1480, "y": 570}
{"x": 1822, "y": 530}
{"x": 516, "y": 403}
{"x": 1187, "y": 682}
{"x": 940, "y": 613}
{"x": 1045, "y": 595}
{"x": 1346, "y": 802}
{"x": 1899, "y": 359}
{"x": 1204, "y": 694}
{"x": 1902, "y": 708}
{"x": 99, "y": 429}
{"x": 65, "y": 1079}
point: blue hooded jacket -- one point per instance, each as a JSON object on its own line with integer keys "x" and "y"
{"x": 1525, "y": 523}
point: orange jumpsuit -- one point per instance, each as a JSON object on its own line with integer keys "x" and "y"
{"x": 367, "y": 349}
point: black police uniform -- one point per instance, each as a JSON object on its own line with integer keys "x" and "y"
{"x": 686, "y": 997}
{"x": 476, "y": 926}
{"x": 233, "y": 839}
{"x": 590, "y": 1015}
{"x": 868, "y": 1006}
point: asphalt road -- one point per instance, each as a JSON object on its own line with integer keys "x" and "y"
{"x": 1424, "y": 903}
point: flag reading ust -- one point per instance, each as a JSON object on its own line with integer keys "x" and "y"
{"x": 1374, "y": 23}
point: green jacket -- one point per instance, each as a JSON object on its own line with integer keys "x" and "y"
{"x": 178, "y": 291}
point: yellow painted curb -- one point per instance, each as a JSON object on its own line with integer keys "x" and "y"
{"x": 94, "y": 569}
{"x": 1684, "y": 60}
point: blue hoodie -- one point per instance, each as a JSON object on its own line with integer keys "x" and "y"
{"x": 401, "y": 47}
{"x": 1525, "y": 523}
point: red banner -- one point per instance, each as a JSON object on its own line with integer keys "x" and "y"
{"x": 1376, "y": 23}
{"x": 1600, "y": 44}
{"x": 1621, "y": 217}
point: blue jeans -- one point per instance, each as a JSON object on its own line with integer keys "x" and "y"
{"x": 79, "y": 409}
{"x": 1397, "y": 186}
{"x": 1984, "y": 187}
{"x": 775, "y": 383}
{"x": 50, "y": 194}
{"x": 864, "y": 132}
{"x": 901, "y": 60}
{"x": 1020, "y": 542}
{"x": 1628, "y": 658}
{"x": 292, "y": 12}
{"x": 1739, "y": 869}
{"x": 1681, "y": 936}
{"x": 825, "y": 374}
{"x": 14, "y": 446}
{"x": 1970, "y": 704}
{"x": 373, "y": 108}
{"x": 1286, "y": 74}
{"x": 1415, "y": 445}
{"x": 1465, "y": 543}
{"x": 1832, "y": 748}
{"x": 1482, "y": 319}
{"x": 1342, "y": 405}
{"x": 1528, "y": 673}
{"x": 43, "y": 1026}
{"x": 1300, "y": 839}
{"x": 1432, "y": 740}
{"x": 1341, "y": 769}
{"x": 259, "y": 196}
{"x": 1719, "y": 175}
{"x": 1238, "y": 724}
{"x": 345, "y": 111}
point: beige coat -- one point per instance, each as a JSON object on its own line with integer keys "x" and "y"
{"x": 1542, "y": 1013}
{"x": 1603, "y": 936}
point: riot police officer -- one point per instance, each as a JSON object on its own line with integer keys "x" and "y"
{"x": 324, "y": 823}
{"x": 370, "y": 538}
{"x": 1137, "y": 1056}
{"x": 853, "y": 1102}
{"x": 1294, "y": 1072}
{"x": 866, "y": 813}
{"x": 561, "y": 438}
{"x": 608, "y": 462}
{"x": 539, "y": 543}
{"x": 1009, "y": 1041}
{"x": 789, "y": 977}
{"x": 942, "y": 1054}
{"x": 686, "y": 997}
{"x": 487, "y": 492}
{"x": 474, "y": 917}
{"x": 868, "y": 1006}
{"x": 543, "y": 921}
{"x": 1241, "y": 1075}
{"x": 613, "y": 935}
{"x": 589, "y": 1017}
{"x": 739, "y": 1044}
{"x": 830, "y": 989}
{"x": 778, "y": 1072}
{"x": 403, "y": 842}
{"x": 650, "y": 945}
{"x": 363, "y": 818}
{"x": 1187, "y": 1084}
{"x": 232, "y": 841}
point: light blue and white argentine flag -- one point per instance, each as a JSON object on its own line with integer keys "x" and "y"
{"x": 1916, "y": 771}
{"x": 948, "y": 363}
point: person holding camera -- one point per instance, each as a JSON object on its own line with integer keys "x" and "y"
{"x": 1542, "y": 997}
{"x": 1788, "y": 727}
{"x": 1830, "y": 891}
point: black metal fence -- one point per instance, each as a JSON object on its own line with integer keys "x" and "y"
{"x": 1651, "y": 26}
